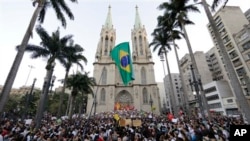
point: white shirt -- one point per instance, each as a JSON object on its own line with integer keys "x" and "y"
{"x": 1, "y": 137}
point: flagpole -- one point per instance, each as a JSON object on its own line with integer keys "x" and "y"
{"x": 93, "y": 104}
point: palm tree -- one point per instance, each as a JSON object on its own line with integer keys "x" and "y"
{"x": 72, "y": 57}
{"x": 241, "y": 99}
{"x": 178, "y": 11}
{"x": 41, "y": 7}
{"x": 52, "y": 47}
{"x": 79, "y": 83}
{"x": 169, "y": 26}
{"x": 161, "y": 42}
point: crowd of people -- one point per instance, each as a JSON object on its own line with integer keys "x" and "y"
{"x": 106, "y": 126}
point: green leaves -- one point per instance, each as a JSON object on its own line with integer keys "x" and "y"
{"x": 59, "y": 6}
{"x": 170, "y": 24}
{"x": 81, "y": 83}
{"x": 217, "y": 2}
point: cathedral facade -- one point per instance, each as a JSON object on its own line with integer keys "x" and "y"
{"x": 141, "y": 94}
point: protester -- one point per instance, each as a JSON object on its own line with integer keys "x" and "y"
{"x": 107, "y": 126}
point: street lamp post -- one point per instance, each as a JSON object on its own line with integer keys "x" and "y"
{"x": 196, "y": 84}
{"x": 151, "y": 103}
{"x": 31, "y": 67}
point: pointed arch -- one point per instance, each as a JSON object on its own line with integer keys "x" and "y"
{"x": 111, "y": 44}
{"x": 140, "y": 45}
{"x": 106, "y": 45}
{"x": 143, "y": 76}
{"x": 104, "y": 76}
{"x": 103, "y": 96}
{"x": 145, "y": 96}
{"x": 135, "y": 43}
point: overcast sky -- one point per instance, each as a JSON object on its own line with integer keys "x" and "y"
{"x": 90, "y": 15}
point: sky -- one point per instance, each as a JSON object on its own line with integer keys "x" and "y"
{"x": 90, "y": 15}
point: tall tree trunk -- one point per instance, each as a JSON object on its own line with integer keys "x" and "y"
{"x": 43, "y": 96}
{"x": 71, "y": 106}
{"x": 184, "y": 88}
{"x": 172, "y": 95}
{"x": 240, "y": 97}
{"x": 19, "y": 56}
{"x": 62, "y": 94}
{"x": 203, "y": 105}
{"x": 81, "y": 105}
{"x": 68, "y": 105}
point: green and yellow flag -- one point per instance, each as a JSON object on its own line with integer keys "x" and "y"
{"x": 121, "y": 55}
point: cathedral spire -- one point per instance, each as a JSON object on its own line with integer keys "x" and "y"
{"x": 137, "y": 19}
{"x": 108, "y": 23}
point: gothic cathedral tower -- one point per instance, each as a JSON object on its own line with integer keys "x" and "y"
{"x": 140, "y": 94}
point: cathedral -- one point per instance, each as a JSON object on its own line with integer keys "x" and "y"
{"x": 141, "y": 94}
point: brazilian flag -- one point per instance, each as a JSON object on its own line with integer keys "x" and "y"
{"x": 121, "y": 55}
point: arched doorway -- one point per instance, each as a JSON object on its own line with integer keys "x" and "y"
{"x": 124, "y": 101}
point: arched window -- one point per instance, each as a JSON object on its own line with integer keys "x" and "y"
{"x": 104, "y": 76}
{"x": 143, "y": 76}
{"x": 103, "y": 96}
{"x": 140, "y": 45}
{"x": 106, "y": 46}
{"x": 145, "y": 95}
{"x": 111, "y": 44}
{"x": 135, "y": 41}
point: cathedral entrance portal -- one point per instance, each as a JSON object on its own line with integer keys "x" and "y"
{"x": 124, "y": 101}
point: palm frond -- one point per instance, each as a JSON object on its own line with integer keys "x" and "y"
{"x": 37, "y": 51}
{"x": 66, "y": 38}
{"x": 80, "y": 65}
{"x": 73, "y": 55}
{"x": 53, "y": 47}
{"x": 82, "y": 58}
{"x": 66, "y": 9}
{"x": 42, "y": 33}
{"x": 217, "y": 2}
{"x": 42, "y": 13}
{"x": 81, "y": 83}
{"x": 176, "y": 9}
{"x": 192, "y": 8}
{"x": 74, "y": 1}
{"x": 60, "y": 7}
{"x": 78, "y": 48}
{"x": 160, "y": 41}
{"x": 59, "y": 13}
{"x": 176, "y": 34}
